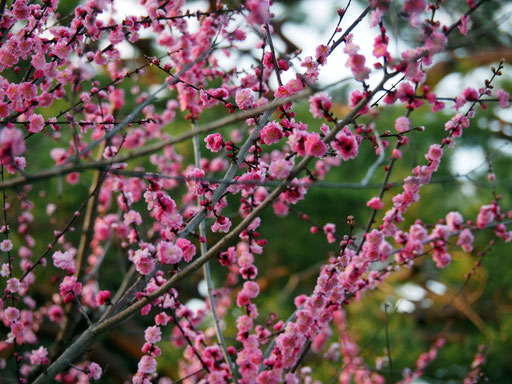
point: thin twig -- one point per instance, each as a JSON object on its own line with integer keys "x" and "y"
{"x": 207, "y": 274}
{"x": 388, "y": 348}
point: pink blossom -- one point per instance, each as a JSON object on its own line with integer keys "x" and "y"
{"x": 465, "y": 240}
{"x": 294, "y": 86}
{"x": 441, "y": 232}
{"x": 503, "y": 97}
{"x": 242, "y": 299}
{"x": 441, "y": 257}
{"x": 418, "y": 233}
{"x": 6, "y": 245}
{"x": 147, "y": 364}
{"x": 144, "y": 261}
{"x": 103, "y": 297}
{"x": 414, "y": 6}
{"x": 13, "y": 285}
{"x": 244, "y": 98}
{"x": 322, "y": 51}
{"x": 36, "y": 123}
{"x": 39, "y": 356}
{"x": 485, "y": 216}
{"x": 251, "y": 289}
{"x": 244, "y": 323}
{"x": 259, "y": 11}
{"x": 314, "y": 146}
{"x": 280, "y": 168}
{"x": 94, "y": 371}
{"x": 330, "y": 230}
{"x": 271, "y": 133}
{"x": 463, "y": 27}
{"x": 189, "y": 249}
{"x": 311, "y": 69}
{"x": 161, "y": 318}
{"x": 454, "y": 220}
{"x": 346, "y": 145}
{"x": 375, "y": 203}
{"x": 281, "y": 92}
{"x": 194, "y": 182}
{"x": 470, "y": 94}
{"x": 153, "y": 334}
{"x": 7, "y": 58}
{"x": 402, "y": 124}
{"x": 116, "y": 98}
{"x": 132, "y": 217}
{"x": 56, "y": 313}
{"x": 169, "y": 253}
{"x": 11, "y": 314}
{"x": 268, "y": 62}
{"x": 356, "y": 63}
{"x": 18, "y": 329}
{"x": 228, "y": 258}
{"x": 435, "y": 153}
{"x": 64, "y": 260}
{"x": 222, "y": 224}
{"x": 11, "y": 142}
{"x": 319, "y": 104}
{"x": 21, "y": 10}
{"x": 355, "y": 98}
{"x": 70, "y": 285}
{"x": 214, "y": 142}
{"x": 436, "y": 42}
{"x": 60, "y": 155}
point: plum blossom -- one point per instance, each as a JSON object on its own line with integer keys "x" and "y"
{"x": 169, "y": 253}
{"x": 402, "y": 124}
{"x": 153, "y": 334}
{"x": 463, "y": 27}
{"x": 94, "y": 371}
{"x": 454, "y": 220}
{"x": 375, "y": 203}
{"x": 244, "y": 98}
{"x": 214, "y": 142}
{"x": 314, "y": 146}
{"x": 103, "y": 297}
{"x": 11, "y": 142}
{"x": 503, "y": 97}
{"x": 39, "y": 356}
{"x": 11, "y": 314}
{"x": 222, "y": 224}
{"x": 346, "y": 145}
{"x": 144, "y": 261}
{"x": 485, "y": 216}
{"x": 147, "y": 364}
{"x": 271, "y": 133}
{"x": 465, "y": 240}
{"x": 6, "y": 245}
{"x": 36, "y": 123}
{"x": 64, "y": 260}
{"x": 13, "y": 285}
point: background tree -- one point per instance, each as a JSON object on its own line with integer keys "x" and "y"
{"x": 190, "y": 188}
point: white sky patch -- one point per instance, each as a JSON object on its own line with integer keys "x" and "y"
{"x": 436, "y": 287}
{"x": 411, "y": 292}
{"x": 196, "y": 305}
{"x": 468, "y": 159}
{"x": 314, "y": 30}
{"x": 501, "y": 145}
{"x": 405, "y": 306}
{"x": 202, "y": 288}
